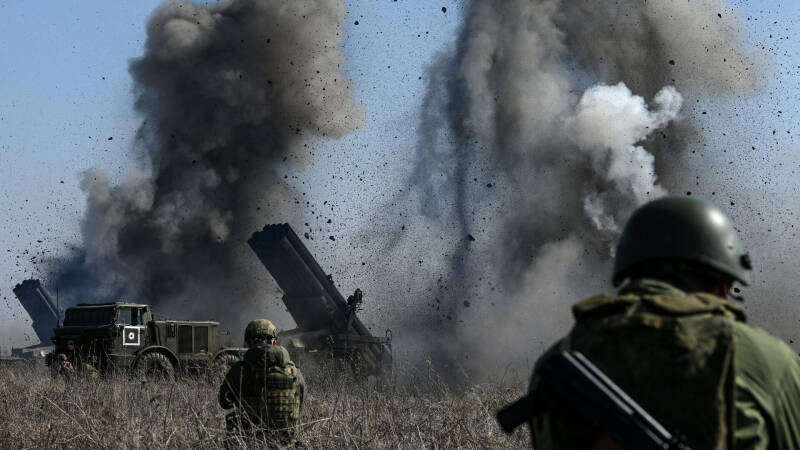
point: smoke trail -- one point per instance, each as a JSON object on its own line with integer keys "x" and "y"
{"x": 226, "y": 92}
{"x": 568, "y": 168}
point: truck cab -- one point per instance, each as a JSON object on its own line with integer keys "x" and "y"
{"x": 128, "y": 336}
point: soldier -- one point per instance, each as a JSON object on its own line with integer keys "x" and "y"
{"x": 673, "y": 342}
{"x": 265, "y": 388}
{"x": 64, "y": 367}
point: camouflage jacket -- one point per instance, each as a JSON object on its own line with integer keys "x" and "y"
{"x": 753, "y": 404}
{"x": 66, "y": 370}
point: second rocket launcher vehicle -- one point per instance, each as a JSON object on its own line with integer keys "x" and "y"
{"x": 326, "y": 323}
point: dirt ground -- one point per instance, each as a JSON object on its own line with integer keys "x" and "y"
{"x": 39, "y": 411}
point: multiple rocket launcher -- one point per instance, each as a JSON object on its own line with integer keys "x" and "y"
{"x": 39, "y": 304}
{"x": 326, "y": 322}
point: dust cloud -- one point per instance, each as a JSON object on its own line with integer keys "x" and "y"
{"x": 572, "y": 111}
{"x": 226, "y": 92}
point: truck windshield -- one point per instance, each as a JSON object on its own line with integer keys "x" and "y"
{"x": 129, "y": 316}
{"x": 88, "y": 316}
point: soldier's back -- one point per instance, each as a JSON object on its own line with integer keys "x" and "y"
{"x": 692, "y": 363}
{"x": 671, "y": 352}
{"x": 271, "y": 390}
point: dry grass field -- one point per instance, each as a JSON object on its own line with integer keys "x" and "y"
{"x": 119, "y": 412}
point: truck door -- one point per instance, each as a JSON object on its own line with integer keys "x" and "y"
{"x": 185, "y": 346}
{"x": 129, "y": 319}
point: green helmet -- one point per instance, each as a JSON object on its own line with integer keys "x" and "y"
{"x": 683, "y": 229}
{"x": 259, "y": 327}
{"x": 62, "y": 357}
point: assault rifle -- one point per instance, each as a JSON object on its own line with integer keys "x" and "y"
{"x": 570, "y": 379}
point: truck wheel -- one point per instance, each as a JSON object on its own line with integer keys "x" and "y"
{"x": 219, "y": 367}
{"x": 226, "y": 360}
{"x": 154, "y": 365}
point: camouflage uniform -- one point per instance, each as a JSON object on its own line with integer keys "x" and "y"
{"x": 741, "y": 385}
{"x": 683, "y": 353}
{"x": 267, "y": 390}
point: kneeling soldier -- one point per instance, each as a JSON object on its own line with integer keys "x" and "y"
{"x": 64, "y": 367}
{"x": 265, "y": 388}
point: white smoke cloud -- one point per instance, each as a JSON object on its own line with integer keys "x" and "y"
{"x": 608, "y": 123}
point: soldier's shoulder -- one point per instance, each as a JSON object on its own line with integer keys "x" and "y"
{"x": 754, "y": 343}
{"x": 763, "y": 361}
{"x": 600, "y": 304}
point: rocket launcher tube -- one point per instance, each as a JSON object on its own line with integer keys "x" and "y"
{"x": 38, "y": 303}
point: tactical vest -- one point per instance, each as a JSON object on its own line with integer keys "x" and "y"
{"x": 672, "y": 354}
{"x": 280, "y": 401}
{"x": 273, "y": 400}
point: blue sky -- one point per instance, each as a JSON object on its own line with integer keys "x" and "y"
{"x": 66, "y": 105}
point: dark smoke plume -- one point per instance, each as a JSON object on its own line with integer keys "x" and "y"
{"x": 226, "y": 92}
{"x": 570, "y": 109}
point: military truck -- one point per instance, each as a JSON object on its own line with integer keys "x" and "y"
{"x": 129, "y": 337}
{"x": 327, "y": 324}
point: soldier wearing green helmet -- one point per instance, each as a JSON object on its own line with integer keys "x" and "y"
{"x": 265, "y": 389}
{"x": 260, "y": 328}
{"x": 672, "y": 340}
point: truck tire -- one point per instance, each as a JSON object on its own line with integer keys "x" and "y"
{"x": 226, "y": 360}
{"x": 154, "y": 365}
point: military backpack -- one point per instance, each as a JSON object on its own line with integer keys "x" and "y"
{"x": 279, "y": 397}
{"x": 672, "y": 355}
